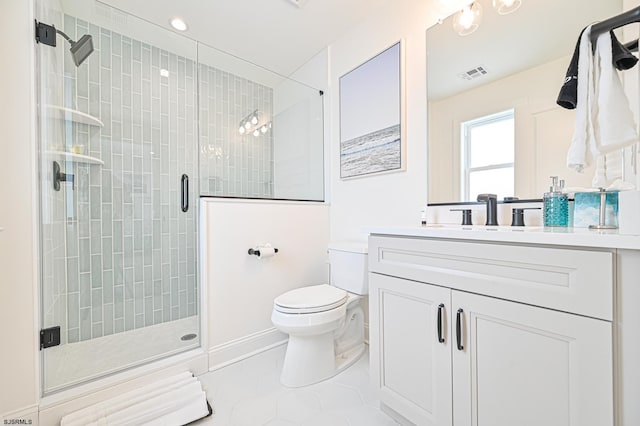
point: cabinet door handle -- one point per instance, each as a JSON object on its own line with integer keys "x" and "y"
{"x": 459, "y": 329}
{"x": 440, "y": 309}
{"x": 184, "y": 193}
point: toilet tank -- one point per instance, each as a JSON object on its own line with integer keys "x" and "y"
{"x": 350, "y": 266}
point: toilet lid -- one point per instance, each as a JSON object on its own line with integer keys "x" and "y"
{"x": 306, "y": 300}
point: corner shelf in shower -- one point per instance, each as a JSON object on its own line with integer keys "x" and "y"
{"x": 73, "y": 115}
{"x": 76, "y": 158}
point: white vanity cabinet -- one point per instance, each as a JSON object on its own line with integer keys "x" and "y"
{"x": 502, "y": 356}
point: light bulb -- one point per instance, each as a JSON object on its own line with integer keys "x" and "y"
{"x": 247, "y": 125}
{"x": 263, "y": 129}
{"x": 505, "y": 7}
{"x": 254, "y": 120}
{"x": 256, "y": 133}
{"x": 241, "y": 130}
{"x": 468, "y": 19}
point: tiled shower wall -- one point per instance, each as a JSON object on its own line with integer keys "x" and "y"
{"x": 131, "y": 251}
{"x": 233, "y": 164}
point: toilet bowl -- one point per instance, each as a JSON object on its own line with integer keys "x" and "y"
{"x": 325, "y": 322}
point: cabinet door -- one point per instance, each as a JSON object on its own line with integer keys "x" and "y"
{"x": 528, "y": 366}
{"x": 410, "y": 366}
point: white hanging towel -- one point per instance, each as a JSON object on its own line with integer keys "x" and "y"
{"x": 604, "y": 121}
{"x": 615, "y": 127}
{"x": 579, "y": 154}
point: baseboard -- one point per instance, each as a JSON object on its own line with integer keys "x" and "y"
{"x": 244, "y": 347}
{"x": 56, "y": 406}
{"x": 23, "y": 416}
{"x": 395, "y": 415}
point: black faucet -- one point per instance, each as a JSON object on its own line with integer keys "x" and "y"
{"x": 492, "y": 208}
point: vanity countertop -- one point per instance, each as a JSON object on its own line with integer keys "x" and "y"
{"x": 579, "y": 237}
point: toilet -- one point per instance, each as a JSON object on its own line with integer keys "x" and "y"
{"x": 325, "y": 323}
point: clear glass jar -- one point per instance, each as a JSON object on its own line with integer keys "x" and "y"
{"x": 556, "y": 209}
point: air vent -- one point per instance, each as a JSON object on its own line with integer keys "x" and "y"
{"x": 474, "y": 73}
{"x": 299, "y": 3}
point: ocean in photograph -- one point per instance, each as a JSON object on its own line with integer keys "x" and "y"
{"x": 374, "y": 152}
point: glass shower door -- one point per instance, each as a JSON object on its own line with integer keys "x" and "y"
{"x": 118, "y": 194}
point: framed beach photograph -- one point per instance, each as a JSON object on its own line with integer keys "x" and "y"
{"x": 371, "y": 116}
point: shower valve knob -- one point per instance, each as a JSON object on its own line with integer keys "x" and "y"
{"x": 58, "y": 177}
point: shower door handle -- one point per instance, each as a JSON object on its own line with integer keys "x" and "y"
{"x": 184, "y": 193}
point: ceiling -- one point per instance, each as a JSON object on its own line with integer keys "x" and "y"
{"x": 275, "y": 34}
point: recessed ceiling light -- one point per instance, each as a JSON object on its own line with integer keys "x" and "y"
{"x": 299, "y": 3}
{"x": 179, "y": 24}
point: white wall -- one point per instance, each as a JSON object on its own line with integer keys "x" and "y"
{"x": 394, "y": 198}
{"x": 18, "y": 387}
{"x": 241, "y": 288}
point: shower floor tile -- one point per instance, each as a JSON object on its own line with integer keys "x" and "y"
{"x": 249, "y": 393}
{"x": 75, "y": 363}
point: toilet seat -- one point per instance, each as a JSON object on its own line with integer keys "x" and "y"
{"x": 309, "y": 300}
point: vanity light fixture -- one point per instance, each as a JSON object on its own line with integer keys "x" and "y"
{"x": 505, "y": 7}
{"x": 251, "y": 125}
{"x": 467, "y": 20}
{"x": 178, "y": 24}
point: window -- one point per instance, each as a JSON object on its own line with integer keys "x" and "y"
{"x": 487, "y": 155}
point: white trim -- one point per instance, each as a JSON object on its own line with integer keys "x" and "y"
{"x": 34, "y": 138}
{"x": 29, "y": 412}
{"x": 244, "y": 347}
{"x": 203, "y": 231}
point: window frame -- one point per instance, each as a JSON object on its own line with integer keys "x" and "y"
{"x": 465, "y": 142}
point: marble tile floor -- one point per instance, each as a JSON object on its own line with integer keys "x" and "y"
{"x": 249, "y": 393}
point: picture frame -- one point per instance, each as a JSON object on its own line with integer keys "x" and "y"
{"x": 372, "y": 127}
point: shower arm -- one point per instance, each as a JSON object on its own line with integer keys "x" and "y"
{"x": 66, "y": 37}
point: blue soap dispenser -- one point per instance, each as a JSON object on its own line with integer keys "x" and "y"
{"x": 556, "y": 205}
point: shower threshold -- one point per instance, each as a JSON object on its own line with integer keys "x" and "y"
{"x": 90, "y": 359}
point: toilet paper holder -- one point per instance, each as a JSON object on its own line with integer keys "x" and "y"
{"x": 257, "y": 251}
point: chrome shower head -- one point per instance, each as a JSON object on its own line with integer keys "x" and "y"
{"x": 81, "y": 49}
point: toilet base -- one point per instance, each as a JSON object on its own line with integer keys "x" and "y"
{"x": 310, "y": 360}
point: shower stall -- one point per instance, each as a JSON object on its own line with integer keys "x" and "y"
{"x": 119, "y": 179}
{"x": 136, "y": 123}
